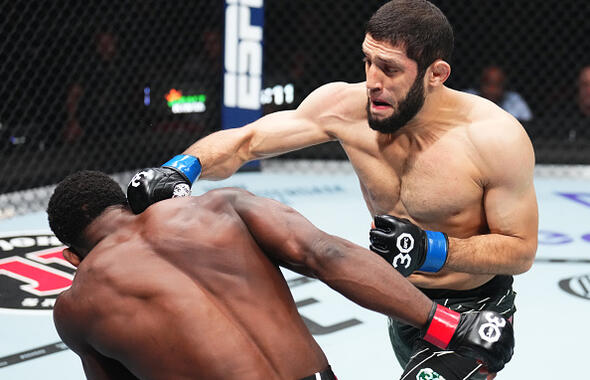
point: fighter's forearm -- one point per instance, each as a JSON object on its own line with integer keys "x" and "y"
{"x": 368, "y": 280}
{"x": 222, "y": 153}
{"x": 491, "y": 254}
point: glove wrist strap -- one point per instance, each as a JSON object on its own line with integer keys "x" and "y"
{"x": 188, "y": 165}
{"x": 441, "y": 326}
{"x": 436, "y": 251}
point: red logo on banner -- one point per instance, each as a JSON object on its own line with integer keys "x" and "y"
{"x": 32, "y": 272}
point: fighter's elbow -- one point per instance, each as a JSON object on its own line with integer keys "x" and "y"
{"x": 525, "y": 260}
{"x": 324, "y": 255}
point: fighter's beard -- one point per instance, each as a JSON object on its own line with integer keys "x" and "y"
{"x": 406, "y": 109}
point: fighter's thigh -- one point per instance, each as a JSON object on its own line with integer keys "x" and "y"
{"x": 431, "y": 363}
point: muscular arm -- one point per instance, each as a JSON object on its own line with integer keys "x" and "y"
{"x": 223, "y": 152}
{"x": 361, "y": 276}
{"x": 510, "y": 207}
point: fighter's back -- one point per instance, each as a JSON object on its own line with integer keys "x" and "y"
{"x": 183, "y": 293}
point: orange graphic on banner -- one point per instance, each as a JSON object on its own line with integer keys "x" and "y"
{"x": 173, "y": 95}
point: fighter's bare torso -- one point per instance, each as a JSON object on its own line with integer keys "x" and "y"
{"x": 169, "y": 305}
{"x": 432, "y": 173}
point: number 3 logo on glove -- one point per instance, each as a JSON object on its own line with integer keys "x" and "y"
{"x": 143, "y": 174}
{"x": 403, "y": 258}
{"x": 404, "y": 244}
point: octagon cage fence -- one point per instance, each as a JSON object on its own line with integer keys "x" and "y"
{"x": 116, "y": 86}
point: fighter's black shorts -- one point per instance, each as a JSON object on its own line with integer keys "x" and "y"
{"x": 326, "y": 374}
{"x": 421, "y": 359}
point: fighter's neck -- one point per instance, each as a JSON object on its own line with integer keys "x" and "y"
{"x": 111, "y": 220}
{"x": 440, "y": 108}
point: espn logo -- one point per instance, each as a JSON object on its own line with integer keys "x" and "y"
{"x": 242, "y": 55}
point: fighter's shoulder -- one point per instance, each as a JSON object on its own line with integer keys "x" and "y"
{"x": 489, "y": 123}
{"x": 339, "y": 90}
{"x": 337, "y": 97}
{"x": 497, "y": 135}
{"x": 66, "y": 319}
{"x": 187, "y": 211}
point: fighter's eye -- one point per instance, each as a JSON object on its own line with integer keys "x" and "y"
{"x": 391, "y": 70}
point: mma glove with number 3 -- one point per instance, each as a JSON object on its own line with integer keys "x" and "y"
{"x": 484, "y": 335}
{"x": 173, "y": 179}
{"x": 408, "y": 247}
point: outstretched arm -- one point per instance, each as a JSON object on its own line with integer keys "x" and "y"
{"x": 353, "y": 271}
{"x": 222, "y": 153}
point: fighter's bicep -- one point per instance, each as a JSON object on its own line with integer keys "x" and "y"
{"x": 509, "y": 199}
{"x": 313, "y": 122}
{"x": 511, "y": 209}
{"x": 282, "y": 132}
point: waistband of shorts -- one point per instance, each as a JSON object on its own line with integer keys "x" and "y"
{"x": 326, "y": 374}
{"x": 498, "y": 284}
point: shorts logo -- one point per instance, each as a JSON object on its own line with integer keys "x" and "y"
{"x": 428, "y": 374}
{"x": 578, "y": 286}
{"x": 490, "y": 331}
{"x": 32, "y": 271}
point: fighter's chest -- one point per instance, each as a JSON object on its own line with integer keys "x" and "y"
{"x": 436, "y": 184}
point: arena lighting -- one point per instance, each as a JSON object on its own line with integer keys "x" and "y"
{"x": 180, "y": 103}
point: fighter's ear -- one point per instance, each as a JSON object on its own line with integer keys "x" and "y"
{"x": 438, "y": 72}
{"x": 71, "y": 257}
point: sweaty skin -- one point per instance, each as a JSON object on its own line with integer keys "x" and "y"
{"x": 462, "y": 165}
{"x": 186, "y": 290}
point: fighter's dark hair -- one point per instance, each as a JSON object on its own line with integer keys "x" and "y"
{"x": 418, "y": 26}
{"x": 77, "y": 201}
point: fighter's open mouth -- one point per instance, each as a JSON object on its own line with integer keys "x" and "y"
{"x": 379, "y": 103}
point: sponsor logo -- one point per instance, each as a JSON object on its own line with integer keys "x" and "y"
{"x": 181, "y": 190}
{"x": 578, "y": 286}
{"x": 405, "y": 243}
{"x": 32, "y": 271}
{"x": 428, "y": 374}
{"x": 490, "y": 331}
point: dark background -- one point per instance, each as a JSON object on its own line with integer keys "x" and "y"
{"x": 64, "y": 108}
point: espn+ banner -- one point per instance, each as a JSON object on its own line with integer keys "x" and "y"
{"x": 242, "y": 66}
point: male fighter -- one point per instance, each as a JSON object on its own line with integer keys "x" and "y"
{"x": 453, "y": 170}
{"x": 186, "y": 290}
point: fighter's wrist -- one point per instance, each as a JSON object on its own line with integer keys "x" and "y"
{"x": 437, "y": 247}
{"x": 441, "y": 326}
{"x": 188, "y": 165}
